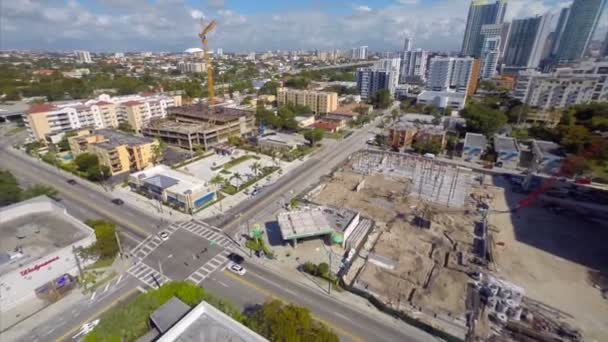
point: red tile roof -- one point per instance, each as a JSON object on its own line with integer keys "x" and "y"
{"x": 325, "y": 125}
{"x": 132, "y": 103}
{"x": 41, "y": 108}
{"x": 103, "y": 103}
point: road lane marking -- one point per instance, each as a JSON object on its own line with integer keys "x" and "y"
{"x": 96, "y": 314}
{"x": 107, "y": 287}
{"x": 119, "y": 278}
{"x": 222, "y": 283}
{"x": 93, "y": 296}
{"x": 272, "y": 295}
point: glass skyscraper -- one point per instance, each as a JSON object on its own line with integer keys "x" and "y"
{"x": 481, "y": 12}
{"x": 583, "y": 18}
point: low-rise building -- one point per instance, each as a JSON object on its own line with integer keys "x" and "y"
{"x": 328, "y": 126}
{"x": 401, "y": 134}
{"x": 320, "y": 102}
{"x": 174, "y": 188}
{"x": 549, "y": 118}
{"x": 351, "y": 111}
{"x": 304, "y": 121}
{"x": 37, "y": 242}
{"x": 119, "y": 151}
{"x": 507, "y": 152}
{"x": 279, "y": 142}
{"x": 432, "y": 135}
{"x": 547, "y": 156}
{"x": 475, "y": 145}
{"x": 442, "y": 99}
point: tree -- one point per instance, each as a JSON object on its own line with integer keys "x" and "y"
{"x": 483, "y": 119}
{"x": 382, "y": 99}
{"x": 86, "y": 161}
{"x": 10, "y": 192}
{"x": 323, "y": 270}
{"x": 314, "y": 136}
{"x": 575, "y": 137}
{"x": 106, "y": 245}
{"x": 246, "y": 101}
{"x": 158, "y": 151}
{"x": 64, "y": 144}
{"x": 217, "y": 181}
{"x": 277, "y": 321}
{"x": 98, "y": 173}
{"x": 39, "y": 190}
{"x": 125, "y": 127}
{"x": 239, "y": 178}
{"x": 269, "y": 88}
{"x": 395, "y": 114}
{"x": 255, "y": 167}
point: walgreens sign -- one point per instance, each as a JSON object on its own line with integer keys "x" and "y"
{"x": 38, "y": 266}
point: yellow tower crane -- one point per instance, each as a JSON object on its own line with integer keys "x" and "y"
{"x": 203, "y": 36}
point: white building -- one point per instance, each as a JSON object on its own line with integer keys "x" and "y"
{"x": 490, "y": 52}
{"x": 83, "y": 56}
{"x": 392, "y": 65}
{"x": 408, "y": 44}
{"x": 188, "y": 67}
{"x": 359, "y": 53}
{"x": 37, "y": 242}
{"x": 450, "y": 73}
{"x": 219, "y": 52}
{"x": 443, "y": 99}
{"x": 582, "y": 83}
{"x": 413, "y": 66}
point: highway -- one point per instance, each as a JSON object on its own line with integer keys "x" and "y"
{"x": 349, "y": 322}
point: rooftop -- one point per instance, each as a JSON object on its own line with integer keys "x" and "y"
{"x": 428, "y": 94}
{"x": 41, "y": 108}
{"x": 201, "y": 111}
{"x": 168, "y": 314}
{"x": 283, "y": 138}
{"x": 206, "y": 323}
{"x": 475, "y": 139}
{"x": 339, "y": 218}
{"x": 114, "y": 139}
{"x": 549, "y": 148}
{"x": 502, "y": 143}
{"x": 38, "y": 227}
{"x": 349, "y": 109}
{"x": 324, "y": 125}
{"x": 304, "y": 223}
{"x": 175, "y": 181}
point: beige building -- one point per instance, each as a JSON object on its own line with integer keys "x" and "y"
{"x": 119, "y": 151}
{"x": 320, "y": 102}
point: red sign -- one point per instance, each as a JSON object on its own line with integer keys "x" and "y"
{"x": 38, "y": 266}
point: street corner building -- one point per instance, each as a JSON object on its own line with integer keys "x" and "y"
{"x": 38, "y": 239}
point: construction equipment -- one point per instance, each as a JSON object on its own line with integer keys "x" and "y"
{"x": 204, "y": 40}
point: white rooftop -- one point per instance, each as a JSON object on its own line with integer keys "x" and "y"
{"x": 304, "y": 223}
{"x": 172, "y": 180}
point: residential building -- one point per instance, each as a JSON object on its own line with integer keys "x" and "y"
{"x": 201, "y": 125}
{"x": 580, "y": 26}
{"x": 559, "y": 30}
{"x": 582, "y": 83}
{"x": 350, "y": 111}
{"x": 430, "y": 134}
{"x": 320, "y": 102}
{"x": 174, "y": 188}
{"x": 501, "y": 31}
{"x": 83, "y": 56}
{"x": 549, "y": 118}
{"x": 37, "y": 242}
{"x": 103, "y": 112}
{"x": 481, "y": 12}
{"x": 191, "y": 67}
{"x": 330, "y": 126}
{"x": 529, "y": 42}
{"x": 453, "y": 73}
{"x": 413, "y": 66}
{"x": 120, "y": 152}
{"x": 547, "y": 156}
{"x": 474, "y": 146}
{"x": 359, "y": 53}
{"x": 443, "y": 99}
{"x": 489, "y": 57}
{"x": 408, "y": 44}
{"x": 219, "y": 52}
{"x": 401, "y": 134}
{"x": 415, "y": 128}
{"x": 507, "y": 152}
{"x": 304, "y": 121}
{"x": 371, "y": 80}
{"x": 279, "y": 142}
{"x": 393, "y": 65}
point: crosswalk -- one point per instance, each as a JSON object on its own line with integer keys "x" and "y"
{"x": 209, "y": 267}
{"x": 147, "y": 275}
{"x": 205, "y": 231}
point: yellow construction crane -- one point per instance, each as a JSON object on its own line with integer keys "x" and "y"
{"x": 203, "y": 36}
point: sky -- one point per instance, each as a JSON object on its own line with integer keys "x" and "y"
{"x": 243, "y": 25}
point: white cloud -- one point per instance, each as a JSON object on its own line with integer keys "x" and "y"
{"x": 409, "y": 2}
{"x": 196, "y": 14}
{"x": 363, "y": 8}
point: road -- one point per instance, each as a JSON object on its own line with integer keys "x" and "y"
{"x": 350, "y": 323}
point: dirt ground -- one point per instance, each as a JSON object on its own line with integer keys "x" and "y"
{"x": 550, "y": 255}
{"x": 419, "y": 254}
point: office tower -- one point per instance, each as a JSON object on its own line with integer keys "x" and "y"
{"x": 580, "y": 26}
{"x": 82, "y": 56}
{"x": 529, "y": 41}
{"x": 481, "y": 12}
{"x": 497, "y": 31}
{"x": 370, "y": 81}
{"x": 359, "y": 53}
{"x": 451, "y": 73}
{"x": 559, "y": 30}
{"x": 541, "y": 47}
{"x": 604, "y": 51}
{"x": 408, "y": 44}
{"x": 413, "y": 66}
{"x": 219, "y": 52}
{"x": 393, "y": 65}
{"x": 489, "y": 57}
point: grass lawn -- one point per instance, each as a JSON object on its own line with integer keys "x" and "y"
{"x": 336, "y": 135}
{"x": 101, "y": 282}
{"x": 101, "y": 263}
{"x": 231, "y": 189}
{"x": 239, "y": 160}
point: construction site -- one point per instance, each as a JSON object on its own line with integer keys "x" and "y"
{"x": 439, "y": 253}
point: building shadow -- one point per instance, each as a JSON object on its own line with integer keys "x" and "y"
{"x": 273, "y": 232}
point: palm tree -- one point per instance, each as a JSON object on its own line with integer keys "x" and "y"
{"x": 218, "y": 180}
{"x": 255, "y": 168}
{"x": 239, "y": 178}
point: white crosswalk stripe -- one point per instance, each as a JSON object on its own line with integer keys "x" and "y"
{"x": 147, "y": 275}
{"x": 211, "y": 266}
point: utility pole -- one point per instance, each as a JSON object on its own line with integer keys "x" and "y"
{"x": 329, "y": 283}
{"x": 160, "y": 269}
{"x": 118, "y": 242}
{"x": 84, "y": 284}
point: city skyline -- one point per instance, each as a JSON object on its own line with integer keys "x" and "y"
{"x": 170, "y": 25}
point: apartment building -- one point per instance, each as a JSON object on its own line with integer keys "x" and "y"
{"x": 582, "y": 83}
{"x": 320, "y": 102}
{"x": 119, "y": 151}
{"x": 413, "y": 66}
{"x": 83, "y": 56}
{"x": 103, "y": 112}
{"x": 454, "y": 74}
{"x": 200, "y": 125}
{"x": 187, "y": 67}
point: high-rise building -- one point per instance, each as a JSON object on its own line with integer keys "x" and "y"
{"x": 413, "y": 66}
{"x": 604, "y": 51}
{"x": 371, "y": 80}
{"x": 219, "y": 52}
{"x": 559, "y": 29}
{"x": 187, "y": 67}
{"x": 501, "y": 31}
{"x": 320, "y": 102}
{"x": 530, "y": 41}
{"x": 489, "y": 57}
{"x": 393, "y": 65}
{"x": 83, "y": 56}
{"x": 359, "y": 53}
{"x": 408, "y": 44}
{"x": 452, "y": 73}
{"x": 582, "y": 83}
{"x": 481, "y": 12}
{"x": 578, "y": 31}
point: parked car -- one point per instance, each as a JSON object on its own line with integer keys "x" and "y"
{"x": 238, "y": 269}
{"x": 237, "y": 259}
{"x": 71, "y": 181}
{"x": 164, "y": 235}
{"x": 118, "y": 201}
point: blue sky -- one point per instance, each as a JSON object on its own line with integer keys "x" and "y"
{"x": 243, "y": 25}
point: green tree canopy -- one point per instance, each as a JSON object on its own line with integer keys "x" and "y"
{"x": 10, "y": 192}
{"x": 85, "y": 161}
{"x": 481, "y": 118}
{"x": 314, "y": 135}
{"x": 269, "y": 88}
{"x": 106, "y": 245}
{"x": 382, "y": 99}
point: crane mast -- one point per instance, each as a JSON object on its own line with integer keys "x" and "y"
{"x": 203, "y": 37}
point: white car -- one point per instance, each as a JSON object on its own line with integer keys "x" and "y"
{"x": 86, "y": 328}
{"x": 163, "y": 235}
{"x": 238, "y": 269}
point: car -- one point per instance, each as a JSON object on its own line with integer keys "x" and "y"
{"x": 71, "y": 181}
{"x": 255, "y": 192}
{"x": 429, "y": 156}
{"x": 163, "y": 235}
{"x": 118, "y": 201}
{"x": 238, "y": 269}
{"x": 237, "y": 259}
